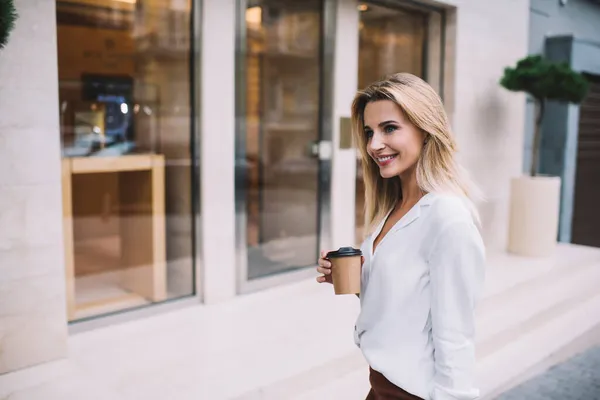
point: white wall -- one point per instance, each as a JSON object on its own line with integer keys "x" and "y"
{"x": 33, "y": 318}
{"x": 487, "y": 120}
{"x": 218, "y": 270}
{"x": 345, "y": 78}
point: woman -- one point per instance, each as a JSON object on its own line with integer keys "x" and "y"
{"x": 424, "y": 258}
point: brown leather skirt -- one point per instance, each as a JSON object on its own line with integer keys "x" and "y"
{"x": 382, "y": 389}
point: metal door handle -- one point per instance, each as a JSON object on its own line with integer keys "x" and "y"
{"x": 321, "y": 149}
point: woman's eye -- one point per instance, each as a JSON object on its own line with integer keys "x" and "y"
{"x": 389, "y": 129}
{"x": 369, "y": 134}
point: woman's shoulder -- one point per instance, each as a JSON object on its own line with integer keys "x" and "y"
{"x": 452, "y": 221}
{"x": 448, "y": 208}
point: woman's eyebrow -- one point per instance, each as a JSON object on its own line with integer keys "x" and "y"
{"x": 381, "y": 124}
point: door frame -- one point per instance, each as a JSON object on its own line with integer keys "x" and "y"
{"x": 243, "y": 284}
{"x": 429, "y": 11}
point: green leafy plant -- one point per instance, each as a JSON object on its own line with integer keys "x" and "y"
{"x": 8, "y": 16}
{"x": 544, "y": 80}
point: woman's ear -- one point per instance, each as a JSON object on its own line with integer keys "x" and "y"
{"x": 425, "y": 136}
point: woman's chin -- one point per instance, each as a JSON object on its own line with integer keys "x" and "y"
{"x": 387, "y": 174}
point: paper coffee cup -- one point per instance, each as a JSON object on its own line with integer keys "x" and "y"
{"x": 345, "y": 270}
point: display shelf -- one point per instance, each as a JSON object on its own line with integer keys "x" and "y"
{"x": 136, "y": 216}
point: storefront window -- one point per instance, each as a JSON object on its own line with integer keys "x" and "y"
{"x": 278, "y": 106}
{"x": 126, "y": 134}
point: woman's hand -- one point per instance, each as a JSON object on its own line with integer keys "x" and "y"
{"x": 325, "y": 268}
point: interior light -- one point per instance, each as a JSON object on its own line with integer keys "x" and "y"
{"x": 254, "y": 15}
{"x": 363, "y": 7}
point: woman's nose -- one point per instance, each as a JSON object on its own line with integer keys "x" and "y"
{"x": 376, "y": 144}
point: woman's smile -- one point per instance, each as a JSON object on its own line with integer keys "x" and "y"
{"x": 382, "y": 161}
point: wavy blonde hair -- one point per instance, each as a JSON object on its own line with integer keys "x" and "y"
{"x": 437, "y": 169}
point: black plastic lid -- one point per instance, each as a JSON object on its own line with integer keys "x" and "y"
{"x": 344, "y": 252}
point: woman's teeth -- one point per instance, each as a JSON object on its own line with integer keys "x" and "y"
{"x": 384, "y": 159}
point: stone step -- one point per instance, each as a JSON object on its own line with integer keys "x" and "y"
{"x": 503, "y": 366}
{"x": 523, "y": 311}
{"x": 581, "y": 344}
{"x": 319, "y": 343}
{"x": 504, "y": 315}
{"x": 498, "y": 371}
{"x": 506, "y": 271}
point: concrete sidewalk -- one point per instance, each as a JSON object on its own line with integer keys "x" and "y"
{"x": 201, "y": 352}
{"x": 575, "y": 379}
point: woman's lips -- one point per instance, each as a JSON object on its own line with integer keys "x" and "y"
{"x": 385, "y": 160}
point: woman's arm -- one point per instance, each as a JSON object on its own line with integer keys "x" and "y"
{"x": 457, "y": 269}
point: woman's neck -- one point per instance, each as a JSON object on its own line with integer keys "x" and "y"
{"x": 411, "y": 192}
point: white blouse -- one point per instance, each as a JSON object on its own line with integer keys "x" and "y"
{"x": 418, "y": 294}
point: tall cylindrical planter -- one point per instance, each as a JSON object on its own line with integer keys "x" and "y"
{"x": 534, "y": 213}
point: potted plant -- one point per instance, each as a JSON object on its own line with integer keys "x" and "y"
{"x": 8, "y": 15}
{"x": 535, "y": 199}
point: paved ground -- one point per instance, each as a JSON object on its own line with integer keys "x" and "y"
{"x": 297, "y": 339}
{"x": 574, "y": 379}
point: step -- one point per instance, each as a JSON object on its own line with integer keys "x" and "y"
{"x": 260, "y": 340}
{"x": 581, "y": 344}
{"x": 297, "y": 339}
{"x": 508, "y": 311}
{"x": 314, "y": 383}
{"x": 502, "y": 366}
{"x": 498, "y": 371}
{"x": 352, "y": 386}
{"x": 510, "y": 280}
{"x": 505, "y": 271}
{"x": 503, "y": 317}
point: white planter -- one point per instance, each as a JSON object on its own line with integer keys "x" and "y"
{"x": 534, "y": 213}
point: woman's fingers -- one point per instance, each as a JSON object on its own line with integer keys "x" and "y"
{"x": 324, "y": 263}
{"x": 324, "y": 268}
{"x": 324, "y": 271}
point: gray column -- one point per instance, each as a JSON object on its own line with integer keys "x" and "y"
{"x": 33, "y": 325}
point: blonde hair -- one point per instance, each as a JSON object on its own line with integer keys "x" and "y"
{"x": 437, "y": 170}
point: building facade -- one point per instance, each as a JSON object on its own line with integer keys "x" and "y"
{"x": 569, "y": 31}
{"x": 228, "y": 120}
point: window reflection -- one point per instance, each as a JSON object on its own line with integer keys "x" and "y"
{"x": 282, "y": 68}
{"x": 125, "y": 116}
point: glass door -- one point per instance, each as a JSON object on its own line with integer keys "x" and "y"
{"x": 278, "y": 86}
{"x": 391, "y": 39}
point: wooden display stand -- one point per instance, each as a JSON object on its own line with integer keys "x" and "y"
{"x": 140, "y": 222}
